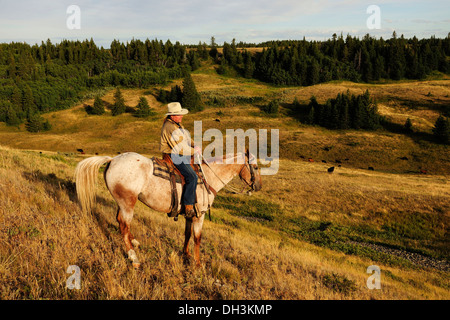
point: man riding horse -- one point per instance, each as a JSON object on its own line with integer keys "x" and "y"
{"x": 130, "y": 177}
{"x": 176, "y": 144}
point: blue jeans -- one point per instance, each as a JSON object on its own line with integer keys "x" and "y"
{"x": 182, "y": 163}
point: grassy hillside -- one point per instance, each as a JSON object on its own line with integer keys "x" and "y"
{"x": 285, "y": 242}
{"x": 307, "y": 235}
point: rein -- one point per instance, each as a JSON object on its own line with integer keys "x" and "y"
{"x": 225, "y": 186}
{"x": 231, "y": 188}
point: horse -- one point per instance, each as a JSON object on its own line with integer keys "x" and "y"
{"x": 129, "y": 178}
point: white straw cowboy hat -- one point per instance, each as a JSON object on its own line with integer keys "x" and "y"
{"x": 175, "y": 109}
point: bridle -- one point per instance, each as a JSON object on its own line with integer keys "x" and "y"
{"x": 252, "y": 173}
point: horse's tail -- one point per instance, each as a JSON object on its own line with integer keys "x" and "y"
{"x": 85, "y": 178}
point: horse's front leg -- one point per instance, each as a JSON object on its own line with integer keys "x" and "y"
{"x": 197, "y": 229}
{"x": 187, "y": 237}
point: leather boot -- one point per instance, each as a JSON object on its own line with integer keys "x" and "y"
{"x": 189, "y": 211}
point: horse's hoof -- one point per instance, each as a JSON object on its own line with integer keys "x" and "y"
{"x": 135, "y": 243}
{"x": 134, "y": 259}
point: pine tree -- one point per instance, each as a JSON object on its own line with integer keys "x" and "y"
{"x": 194, "y": 61}
{"x": 28, "y": 103}
{"x": 191, "y": 98}
{"x": 249, "y": 66}
{"x": 334, "y": 117}
{"x": 11, "y": 117}
{"x": 35, "y": 123}
{"x": 366, "y": 66}
{"x": 441, "y": 130}
{"x": 315, "y": 107}
{"x": 175, "y": 94}
{"x": 12, "y": 70}
{"x": 311, "y": 115}
{"x": 213, "y": 52}
{"x": 223, "y": 67}
{"x": 98, "y": 107}
{"x": 16, "y": 100}
{"x": 313, "y": 73}
{"x": 142, "y": 109}
{"x": 163, "y": 96}
{"x": 408, "y": 127}
{"x": 378, "y": 68}
{"x": 118, "y": 106}
{"x": 272, "y": 107}
{"x": 344, "y": 114}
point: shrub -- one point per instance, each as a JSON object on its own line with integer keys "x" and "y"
{"x": 441, "y": 130}
{"x": 272, "y": 107}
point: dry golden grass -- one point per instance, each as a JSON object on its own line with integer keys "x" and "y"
{"x": 43, "y": 232}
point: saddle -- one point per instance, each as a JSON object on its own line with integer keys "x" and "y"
{"x": 164, "y": 168}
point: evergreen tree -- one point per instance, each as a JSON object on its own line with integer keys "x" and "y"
{"x": 314, "y": 110}
{"x": 223, "y": 67}
{"x": 35, "y": 123}
{"x": 98, "y": 107}
{"x": 12, "y": 67}
{"x": 378, "y": 68}
{"x": 366, "y": 66}
{"x": 16, "y": 100}
{"x": 142, "y": 109}
{"x": 163, "y": 96}
{"x": 311, "y": 115}
{"x": 249, "y": 66}
{"x": 334, "y": 122}
{"x": 118, "y": 106}
{"x": 441, "y": 130}
{"x": 408, "y": 127}
{"x": 175, "y": 94}
{"x": 344, "y": 115}
{"x": 191, "y": 98}
{"x": 213, "y": 52}
{"x": 28, "y": 103}
{"x": 194, "y": 61}
{"x": 272, "y": 107}
{"x": 313, "y": 73}
{"x": 11, "y": 117}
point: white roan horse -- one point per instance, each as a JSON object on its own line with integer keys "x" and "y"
{"x": 129, "y": 177}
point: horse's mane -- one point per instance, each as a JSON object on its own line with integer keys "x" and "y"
{"x": 229, "y": 158}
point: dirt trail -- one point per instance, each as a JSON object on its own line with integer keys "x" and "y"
{"x": 415, "y": 258}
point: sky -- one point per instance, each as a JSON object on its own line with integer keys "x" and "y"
{"x": 194, "y": 21}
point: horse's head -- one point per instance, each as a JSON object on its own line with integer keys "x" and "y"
{"x": 250, "y": 172}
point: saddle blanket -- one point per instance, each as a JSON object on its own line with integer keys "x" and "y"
{"x": 162, "y": 172}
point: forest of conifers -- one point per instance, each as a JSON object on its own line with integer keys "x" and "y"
{"x": 37, "y": 78}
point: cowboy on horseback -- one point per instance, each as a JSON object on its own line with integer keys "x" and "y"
{"x": 129, "y": 178}
{"x": 176, "y": 144}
